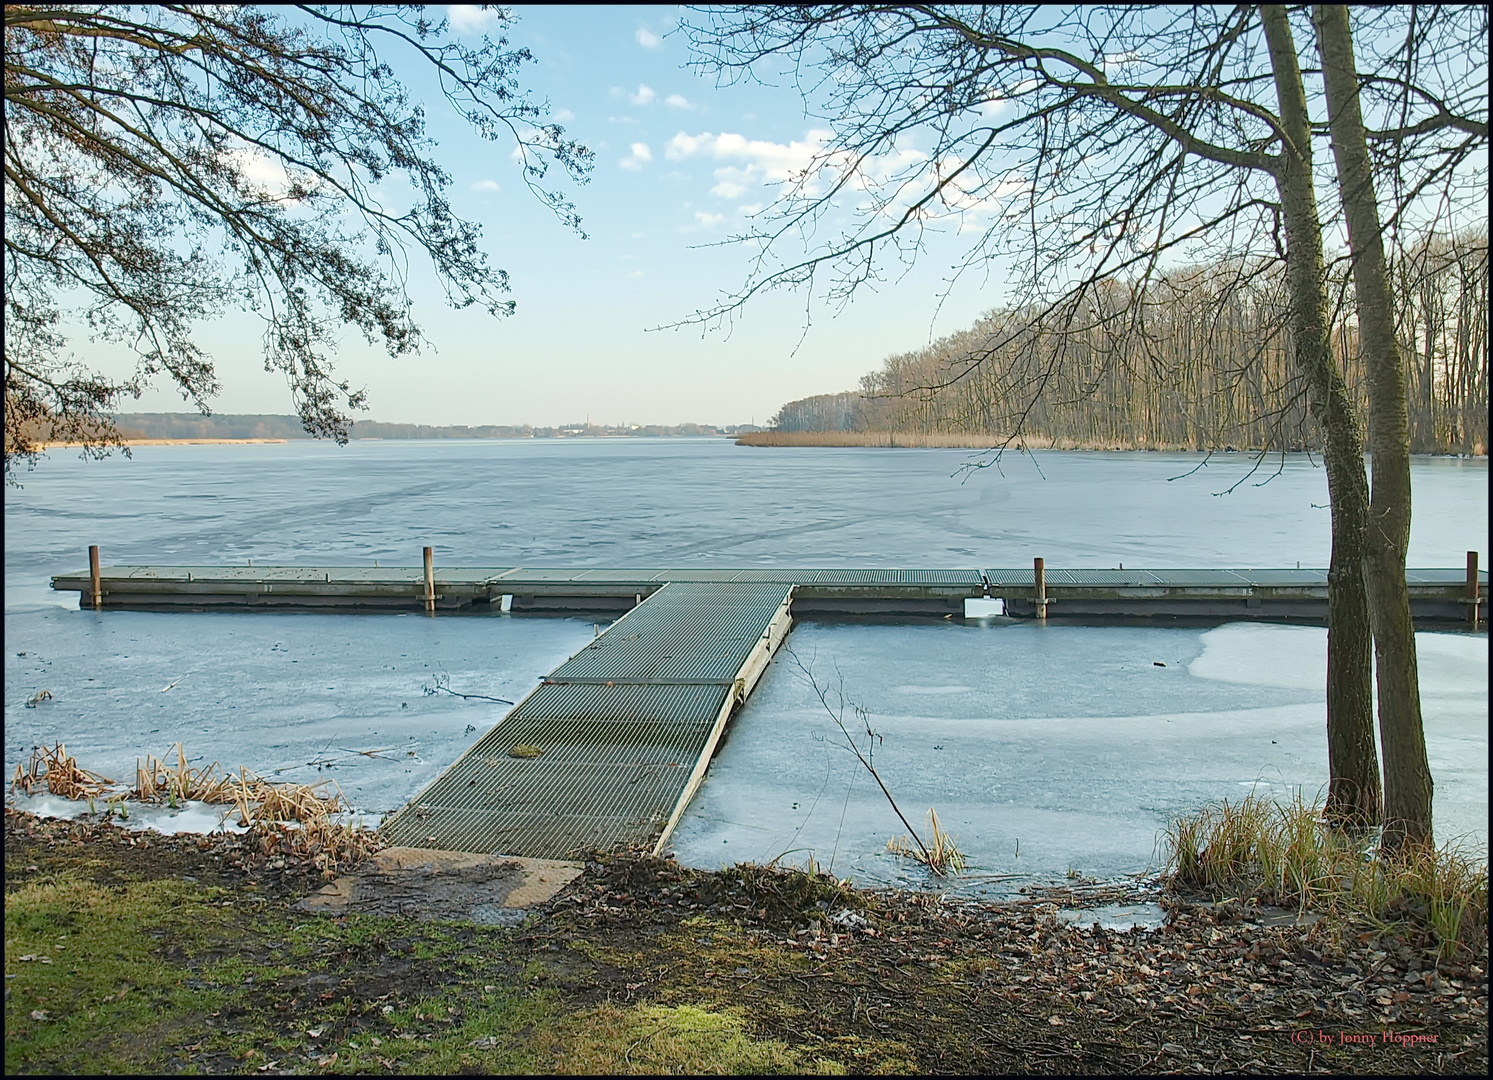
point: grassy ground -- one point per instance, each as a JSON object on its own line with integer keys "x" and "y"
{"x": 170, "y": 956}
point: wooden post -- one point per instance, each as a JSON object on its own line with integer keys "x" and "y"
{"x": 98, "y": 592}
{"x": 429, "y": 582}
{"x": 1472, "y": 590}
{"x": 1039, "y": 571}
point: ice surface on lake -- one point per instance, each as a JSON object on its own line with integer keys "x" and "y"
{"x": 1068, "y": 741}
{"x": 1066, "y": 744}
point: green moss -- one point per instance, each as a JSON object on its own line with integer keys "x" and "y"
{"x": 656, "y": 1038}
{"x": 163, "y": 976}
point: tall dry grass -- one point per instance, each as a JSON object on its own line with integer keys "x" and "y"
{"x": 914, "y": 439}
{"x": 59, "y": 772}
{"x": 942, "y": 854}
{"x": 1288, "y": 855}
{"x": 301, "y": 819}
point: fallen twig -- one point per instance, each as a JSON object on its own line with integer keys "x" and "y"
{"x": 440, "y": 687}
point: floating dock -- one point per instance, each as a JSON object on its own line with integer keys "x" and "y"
{"x": 1436, "y": 595}
{"x": 612, "y": 745}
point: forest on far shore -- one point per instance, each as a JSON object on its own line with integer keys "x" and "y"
{"x": 1200, "y": 361}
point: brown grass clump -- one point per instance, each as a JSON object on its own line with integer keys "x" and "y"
{"x": 156, "y": 781}
{"x": 1291, "y": 856}
{"x": 60, "y": 773}
{"x": 942, "y": 856}
{"x": 295, "y": 819}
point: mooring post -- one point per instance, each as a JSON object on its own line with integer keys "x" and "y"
{"x": 1039, "y": 571}
{"x": 1472, "y": 590}
{"x": 429, "y": 582}
{"x": 98, "y": 592}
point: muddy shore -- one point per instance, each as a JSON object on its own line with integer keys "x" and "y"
{"x": 640, "y": 965}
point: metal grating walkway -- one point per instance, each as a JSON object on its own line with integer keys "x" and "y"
{"x": 611, "y": 746}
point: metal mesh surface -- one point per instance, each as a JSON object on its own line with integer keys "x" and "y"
{"x": 685, "y": 632}
{"x": 583, "y": 765}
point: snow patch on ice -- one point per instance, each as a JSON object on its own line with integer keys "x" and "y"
{"x": 191, "y": 817}
{"x": 1262, "y": 654}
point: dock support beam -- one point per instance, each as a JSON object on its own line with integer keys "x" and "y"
{"x": 429, "y": 582}
{"x": 98, "y": 592}
{"x": 1472, "y": 591}
{"x": 1039, "y": 572}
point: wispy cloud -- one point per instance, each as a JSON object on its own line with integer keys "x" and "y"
{"x": 487, "y": 187}
{"x": 562, "y": 116}
{"x": 753, "y": 161}
{"x": 639, "y": 157}
{"x": 644, "y": 95}
{"x": 470, "y": 18}
{"x": 708, "y": 221}
{"x": 679, "y": 101}
{"x": 647, "y": 38}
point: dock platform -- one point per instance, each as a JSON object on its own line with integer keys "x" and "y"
{"x": 611, "y": 746}
{"x": 1300, "y": 595}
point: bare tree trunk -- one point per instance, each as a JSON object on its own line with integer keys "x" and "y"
{"x": 1353, "y": 768}
{"x": 1407, "y": 776}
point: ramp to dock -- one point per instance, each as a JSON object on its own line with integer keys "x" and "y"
{"x": 612, "y": 745}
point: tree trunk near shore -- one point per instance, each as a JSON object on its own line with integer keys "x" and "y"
{"x": 1407, "y": 775}
{"x": 1354, "y": 793}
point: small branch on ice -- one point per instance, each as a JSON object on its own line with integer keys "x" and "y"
{"x": 838, "y": 717}
{"x": 441, "y": 686}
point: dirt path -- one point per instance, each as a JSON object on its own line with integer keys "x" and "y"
{"x": 640, "y": 965}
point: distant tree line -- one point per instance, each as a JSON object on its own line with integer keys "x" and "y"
{"x": 1201, "y": 363}
{"x": 270, "y": 426}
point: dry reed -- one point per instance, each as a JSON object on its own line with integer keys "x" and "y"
{"x": 1291, "y": 856}
{"x": 60, "y": 773}
{"x": 942, "y": 855}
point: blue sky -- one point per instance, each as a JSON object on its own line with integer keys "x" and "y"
{"x": 679, "y": 163}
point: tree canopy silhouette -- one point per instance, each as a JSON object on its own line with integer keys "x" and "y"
{"x": 166, "y": 162}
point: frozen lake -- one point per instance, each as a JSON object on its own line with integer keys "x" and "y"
{"x": 1068, "y": 744}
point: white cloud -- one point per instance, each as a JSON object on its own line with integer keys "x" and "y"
{"x": 489, "y": 187}
{"x": 562, "y": 116}
{"x": 644, "y": 95}
{"x": 635, "y": 273}
{"x": 708, "y": 220}
{"x": 991, "y": 109}
{"x": 648, "y": 39}
{"x": 470, "y": 18}
{"x": 264, "y": 175}
{"x": 773, "y": 161}
{"x": 749, "y": 163}
{"x": 638, "y": 158}
{"x": 679, "y": 101}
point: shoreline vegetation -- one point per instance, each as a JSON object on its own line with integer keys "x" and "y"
{"x": 926, "y": 440}
{"x": 147, "y": 953}
{"x": 132, "y": 441}
{"x": 1202, "y": 363}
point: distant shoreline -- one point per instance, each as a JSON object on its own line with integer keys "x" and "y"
{"x": 163, "y": 442}
{"x": 914, "y": 440}
{"x": 919, "y": 440}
